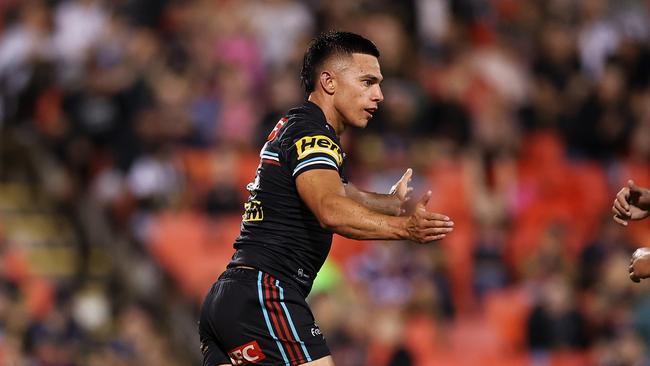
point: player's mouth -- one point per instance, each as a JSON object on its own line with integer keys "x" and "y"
{"x": 370, "y": 111}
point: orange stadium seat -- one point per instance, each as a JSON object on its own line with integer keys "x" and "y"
{"x": 343, "y": 248}
{"x": 506, "y": 312}
{"x": 571, "y": 358}
{"x": 193, "y": 248}
{"x": 459, "y": 249}
{"x": 39, "y": 297}
{"x": 197, "y": 165}
{"x": 470, "y": 341}
{"x": 450, "y": 197}
{"x": 554, "y": 192}
{"x": 421, "y": 338}
{"x": 15, "y": 265}
{"x": 247, "y": 168}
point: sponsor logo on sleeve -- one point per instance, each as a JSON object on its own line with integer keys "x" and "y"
{"x": 319, "y": 144}
{"x": 253, "y": 211}
{"x": 247, "y": 354}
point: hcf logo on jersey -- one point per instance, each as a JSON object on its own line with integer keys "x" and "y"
{"x": 318, "y": 144}
{"x": 247, "y": 354}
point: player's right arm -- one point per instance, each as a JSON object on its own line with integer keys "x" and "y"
{"x": 324, "y": 194}
{"x": 631, "y": 203}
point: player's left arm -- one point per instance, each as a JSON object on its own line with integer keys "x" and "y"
{"x": 392, "y": 203}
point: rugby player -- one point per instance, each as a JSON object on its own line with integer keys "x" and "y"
{"x": 633, "y": 203}
{"x": 256, "y": 311}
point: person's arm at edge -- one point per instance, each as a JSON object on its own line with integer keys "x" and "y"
{"x": 324, "y": 194}
{"x": 640, "y": 265}
{"x": 631, "y": 203}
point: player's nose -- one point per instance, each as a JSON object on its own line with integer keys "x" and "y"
{"x": 377, "y": 95}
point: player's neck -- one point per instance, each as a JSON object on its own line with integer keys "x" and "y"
{"x": 332, "y": 117}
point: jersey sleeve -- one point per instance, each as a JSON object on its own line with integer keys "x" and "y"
{"x": 312, "y": 148}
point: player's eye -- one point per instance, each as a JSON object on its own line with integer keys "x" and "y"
{"x": 366, "y": 83}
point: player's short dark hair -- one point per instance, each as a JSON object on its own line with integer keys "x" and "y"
{"x": 326, "y": 45}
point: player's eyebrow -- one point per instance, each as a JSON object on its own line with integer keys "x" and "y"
{"x": 372, "y": 78}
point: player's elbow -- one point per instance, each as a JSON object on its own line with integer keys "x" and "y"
{"x": 328, "y": 216}
{"x": 329, "y": 220}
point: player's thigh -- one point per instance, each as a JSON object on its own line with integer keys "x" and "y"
{"x": 231, "y": 319}
{"x": 253, "y": 317}
{"x": 325, "y": 361}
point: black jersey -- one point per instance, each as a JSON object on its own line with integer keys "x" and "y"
{"x": 279, "y": 234}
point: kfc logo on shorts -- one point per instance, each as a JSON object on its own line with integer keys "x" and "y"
{"x": 247, "y": 354}
{"x": 315, "y": 331}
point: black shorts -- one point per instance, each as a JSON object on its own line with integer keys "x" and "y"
{"x": 249, "y": 317}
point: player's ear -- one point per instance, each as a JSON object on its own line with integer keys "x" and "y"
{"x": 327, "y": 81}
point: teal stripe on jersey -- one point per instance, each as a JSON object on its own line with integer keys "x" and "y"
{"x": 312, "y": 161}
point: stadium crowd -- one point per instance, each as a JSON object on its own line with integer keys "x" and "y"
{"x": 130, "y": 129}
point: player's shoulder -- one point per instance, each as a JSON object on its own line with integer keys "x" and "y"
{"x": 308, "y": 119}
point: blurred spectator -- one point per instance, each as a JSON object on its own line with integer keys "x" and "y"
{"x": 555, "y": 322}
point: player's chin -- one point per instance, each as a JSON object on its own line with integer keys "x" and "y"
{"x": 363, "y": 121}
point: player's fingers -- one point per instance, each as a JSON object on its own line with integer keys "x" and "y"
{"x": 637, "y": 253}
{"x": 431, "y": 238}
{"x": 407, "y": 175}
{"x": 425, "y": 199}
{"x": 437, "y": 231}
{"x": 427, "y": 215}
{"x": 435, "y": 223}
{"x": 441, "y": 223}
{"x": 633, "y": 275}
{"x": 622, "y": 198}
{"x": 619, "y": 210}
{"x": 619, "y": 220}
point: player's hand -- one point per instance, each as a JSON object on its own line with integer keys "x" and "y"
{"x": 640, "y": 264}
{"x": 631, "y": 203}
{"x": 424, "y": 226}
{"x": 402, "y": 190}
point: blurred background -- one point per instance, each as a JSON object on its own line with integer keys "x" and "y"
{"x": 129, "y": 129}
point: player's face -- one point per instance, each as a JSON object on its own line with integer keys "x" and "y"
{"x": 358, "y": 93}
